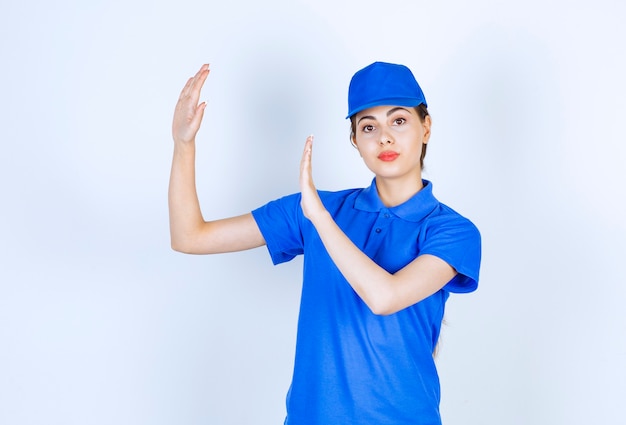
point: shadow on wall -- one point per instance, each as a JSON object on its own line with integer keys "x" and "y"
{"x": 549, "y": 251}
{"x": 275, "y": 92}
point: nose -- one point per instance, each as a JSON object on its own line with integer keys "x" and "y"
{"x": 384, "y": 139}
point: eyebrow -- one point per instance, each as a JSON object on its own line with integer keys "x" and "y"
{"x": 389, "y": 112}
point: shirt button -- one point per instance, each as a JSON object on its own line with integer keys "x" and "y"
{"x": 386, "y": 215}
{"x": 378, "y": 230}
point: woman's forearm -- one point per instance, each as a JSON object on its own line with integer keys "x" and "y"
{"x": 184, "y": 207}
{"x": 370, "y": 281}
{"x": 383, "y": 292}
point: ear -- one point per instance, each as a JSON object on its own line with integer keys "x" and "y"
{"x": 426, "y": 125}
{"x": 354, "y": 145}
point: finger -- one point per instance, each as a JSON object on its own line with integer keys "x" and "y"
{"x": 308, "y": 145}
{"x": 197, "y": 118}
{"x": 197, "y": 83}
{"x": 192, "y": 83}
{"x": 185, "y": 89}
{"x": 307, "y": 153}
{"x": 306, "y": 178}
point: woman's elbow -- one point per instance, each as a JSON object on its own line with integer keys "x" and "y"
{"x": 181, "y": 245}
{"x": 386, "y": 303}
{"x": 383, "y": 311}
{"x": 178, "y": 247}
{"x": 383, "y": 307}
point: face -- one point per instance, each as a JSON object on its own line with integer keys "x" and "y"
{"x": 390, "y": 140}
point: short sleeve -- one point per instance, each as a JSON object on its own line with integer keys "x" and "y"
{"x": 279, "y": 222}
{"x": 456, "y": 241}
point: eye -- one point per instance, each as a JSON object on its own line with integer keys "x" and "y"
{"x": 399, "y": 121}
{"x": 367, "y": 128}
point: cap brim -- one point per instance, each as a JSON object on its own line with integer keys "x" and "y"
{"x": 398, "y": 101}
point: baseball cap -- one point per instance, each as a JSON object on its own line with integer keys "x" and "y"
{"x": 383, "y": 83}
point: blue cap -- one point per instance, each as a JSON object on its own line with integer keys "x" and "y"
{"x": 383, "y": 83}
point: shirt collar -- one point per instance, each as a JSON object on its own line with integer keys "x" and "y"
{"x": 414, "y": 209}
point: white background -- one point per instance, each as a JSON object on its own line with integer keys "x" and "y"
{"x": 102, "y": 323}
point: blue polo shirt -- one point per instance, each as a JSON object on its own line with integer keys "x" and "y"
{"x": 352, "y": 366}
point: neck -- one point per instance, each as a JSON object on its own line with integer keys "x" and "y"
{"x": 394, "y": 192}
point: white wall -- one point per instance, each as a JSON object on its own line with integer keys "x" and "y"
{"x": 101, "y": 323}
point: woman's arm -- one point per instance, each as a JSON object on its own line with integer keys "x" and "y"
{"x": 188, "y": 231}
{"x": 383, "y": 292}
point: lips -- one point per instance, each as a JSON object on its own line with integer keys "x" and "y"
{"x": 388, "y": 156}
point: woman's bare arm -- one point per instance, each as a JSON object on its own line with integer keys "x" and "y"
{"x": 383, "y": 292}
{"x": 189, "y": 232}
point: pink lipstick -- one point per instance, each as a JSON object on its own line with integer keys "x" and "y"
{"x": 388, "y": 156}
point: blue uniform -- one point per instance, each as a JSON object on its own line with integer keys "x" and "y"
{"x": 352, "y": 366}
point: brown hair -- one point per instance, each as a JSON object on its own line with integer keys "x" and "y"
{"x": 422, "y": 112}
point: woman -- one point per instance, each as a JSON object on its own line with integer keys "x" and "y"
{"x": 379, "y": 262}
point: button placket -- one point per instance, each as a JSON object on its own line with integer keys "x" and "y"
{"x": 382, "y": 222}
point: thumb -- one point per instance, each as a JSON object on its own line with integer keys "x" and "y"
{"x": 197, "y": 118}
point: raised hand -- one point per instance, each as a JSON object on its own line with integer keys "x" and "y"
{"x": 188, "y": 114}
{"x": 311, "y": 203}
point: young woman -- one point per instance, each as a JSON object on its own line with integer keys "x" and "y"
{"x": 379, "y": 262}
